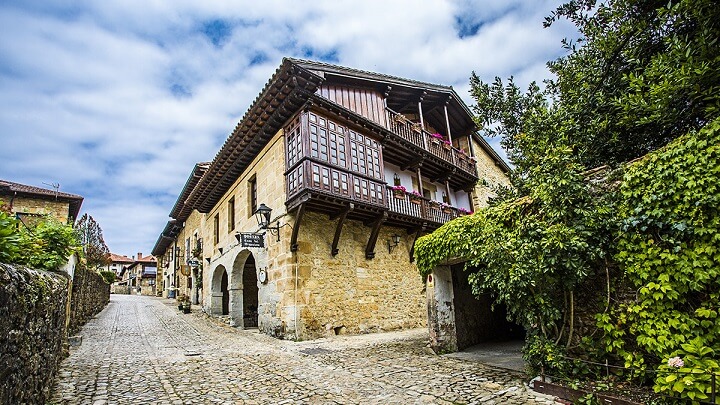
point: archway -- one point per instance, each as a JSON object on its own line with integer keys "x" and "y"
{"x": 243, "y": 291}
{"x": 219, "y": 292}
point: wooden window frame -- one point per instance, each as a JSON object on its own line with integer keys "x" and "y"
{"x": 231, "y": 214}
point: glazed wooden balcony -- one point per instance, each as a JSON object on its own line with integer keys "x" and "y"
{"x": 414, "y": 133}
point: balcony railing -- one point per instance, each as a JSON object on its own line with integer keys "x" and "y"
{"x": 414, "y": 133}
{"x": 420, "y": 207}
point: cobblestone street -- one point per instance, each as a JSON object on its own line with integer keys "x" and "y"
{"x": 143, "y": 350}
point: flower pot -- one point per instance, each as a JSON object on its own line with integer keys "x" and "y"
{"x": 180, "y": 307}
{"x": 415, "y": 200}
{"x": 447, "y": 146}
{"x": 399, "y": 194}
{"x": 186, "y": 310}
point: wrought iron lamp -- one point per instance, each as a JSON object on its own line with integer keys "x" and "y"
{"x": 262, "y": 215}
{"x": 392, "y": 243}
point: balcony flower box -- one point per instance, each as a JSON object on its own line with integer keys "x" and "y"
{"x": 398, "y": 192}
{"x": 434, "y": 204}
{"x": 415, "y": 197}
{"x": 436, "y": 138}
{"x": 446, "y": 208}
{"x": 463, "y": 211}
{"x": 447, "y": 145}
{"x": 416, "y": 127}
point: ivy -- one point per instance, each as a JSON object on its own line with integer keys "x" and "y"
{"x": 669, "y": 248}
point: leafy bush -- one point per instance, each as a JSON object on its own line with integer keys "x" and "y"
{"x": 9, "y": 238}
{"x": 108, "y": 276}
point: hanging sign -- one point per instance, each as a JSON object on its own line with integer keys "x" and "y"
{"x": 255, "y": 240}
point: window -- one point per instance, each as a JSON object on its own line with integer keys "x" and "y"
{"x": 216, "y": 229}
{"x": 231, "y": 214}
{"x": 252, "y": 195}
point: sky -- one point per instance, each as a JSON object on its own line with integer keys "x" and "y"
{"x": 116, "y": 100}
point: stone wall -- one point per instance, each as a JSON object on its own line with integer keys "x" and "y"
{"x": 348, "y": 293}
{"x": 32, "y": 332}
{"x": 89, "y": 296}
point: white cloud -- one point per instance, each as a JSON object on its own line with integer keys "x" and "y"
{"x": 117, "y": 100}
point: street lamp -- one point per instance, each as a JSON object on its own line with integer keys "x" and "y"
{"x": 262, "y": 215}
{"x": 393, "y": 243}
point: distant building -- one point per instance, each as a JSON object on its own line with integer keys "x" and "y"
{"x": 117, "y": 262}
{"x": 349, "y": 168}
{"x": 30, "y": 203}
{"x": 139, "y": 276}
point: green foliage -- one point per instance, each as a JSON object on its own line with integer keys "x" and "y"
{"x": 48, "y": 245}
{"x": 9, "y": 238}
{"x": 108, "y": 276}
{"x": 531, "y": 253}
{"x": 642, "y": 73}
{"x": 693, "y": 379}
{"x": 670, "y": 249}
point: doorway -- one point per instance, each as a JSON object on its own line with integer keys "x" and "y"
{"x": 250, "y": 294}
{"x": 225, "y": 294}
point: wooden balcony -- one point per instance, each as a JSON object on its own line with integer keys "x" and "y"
{"x": 414, "y": 208}
{"x": 329, "y": 189}
{"x": 413, "y": 133}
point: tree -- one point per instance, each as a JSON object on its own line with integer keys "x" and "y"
{"x": 94, "y": 248}
{"x": 642, "y": 72}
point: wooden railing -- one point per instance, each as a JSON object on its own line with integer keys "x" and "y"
{"x": 413, "y": 132}
{"x": 420, "y": 207}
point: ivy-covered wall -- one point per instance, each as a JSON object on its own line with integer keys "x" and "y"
{"x": 32, "y": 332}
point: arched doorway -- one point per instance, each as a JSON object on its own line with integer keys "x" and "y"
{"x": 243, "y": 291}
{"x": 250, "y": 294}
{"x": 220, "y": 292}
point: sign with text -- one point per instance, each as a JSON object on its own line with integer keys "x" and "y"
{"x": 255, "y": 240}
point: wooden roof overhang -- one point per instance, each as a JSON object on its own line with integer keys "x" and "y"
{"x": 403, "y": 95}
{"x": 180, "y": 210}
{"x": 398, "y": 150}
{"x": 166, "y": 238}
{"x": 284, "y": 94}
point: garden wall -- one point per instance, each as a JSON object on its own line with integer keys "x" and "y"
{"x": 32, "y": 332}
{"x": 89, "y": 296}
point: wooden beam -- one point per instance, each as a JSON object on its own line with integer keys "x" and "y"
{"x": 412, "y": 247}
{"x": 338, "y": 229}
{"x": 296, "y": 228}
{"x": 416, "y": 162}
{"x": 370, "y": 248}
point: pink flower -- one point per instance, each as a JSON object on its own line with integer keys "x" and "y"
{"x": 676, "y": 362}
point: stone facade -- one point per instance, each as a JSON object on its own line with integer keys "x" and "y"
{"x": 34, "y": 206}
{"x": 32, "y": 326}
{"x": 349, "y": 293}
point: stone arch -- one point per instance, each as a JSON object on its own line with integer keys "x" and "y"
{"x": 220, "y": 294}
{"x": 243, "y": 267}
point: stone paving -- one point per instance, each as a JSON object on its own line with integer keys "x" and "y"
{"x": 142, "y": 350}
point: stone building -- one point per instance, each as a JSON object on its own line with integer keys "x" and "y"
{"x": 305, "y": 221}
{"x": 29, "y": 203}
{"x": 140, "y": 276}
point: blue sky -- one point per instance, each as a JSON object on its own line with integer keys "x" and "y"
{"x": 117, "y": 100}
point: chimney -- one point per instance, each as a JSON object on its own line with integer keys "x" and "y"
{"x": 139, "y": 255}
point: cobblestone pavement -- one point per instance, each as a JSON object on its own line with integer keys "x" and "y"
{"x": 143, "y": 350}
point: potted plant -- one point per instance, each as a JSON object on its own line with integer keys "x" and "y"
{"x": 415, "y": 197}
{"x": 416, "y": 127}
{"x": 436, "y": 138}
{"x": 181, "y": 301}
{"x": 186, "y": 306}
{"x": 463, "y": 211}
{"x": 398, "y": 191}
{"x": 462, "y": 154}
{"x": 446, "y": 208}
{"x": 447, "y": 145}
{"x": 434, "y": 204}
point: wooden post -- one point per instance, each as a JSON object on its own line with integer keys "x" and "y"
{"x": 422, "y": 121}
{"x": 449, "y": 134}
